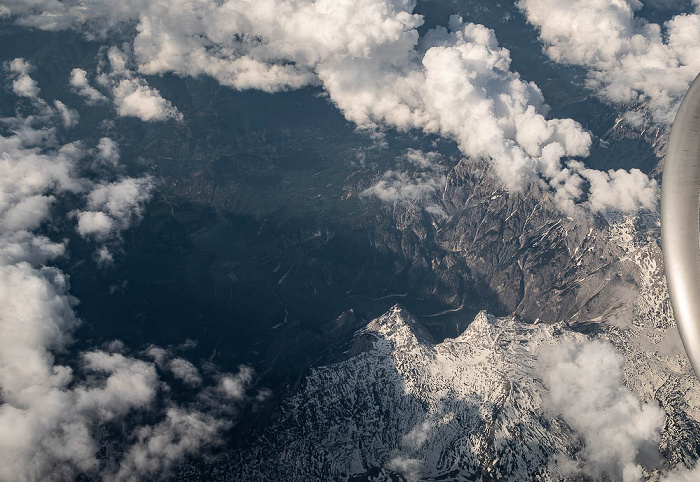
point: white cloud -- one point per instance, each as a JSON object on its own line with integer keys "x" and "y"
{"x": 418, "y": 435}
{"x": 235, "y": 386}
{"x": 422, "y": 177}
{"x": 185, "y": 371}
{"x": 625, "y": 190}
{"x": 130, "y": 383}
{"x": 159, "y": 447}
{"x": 108, "y": 152}
{"x": 50, "y": 413}
{"x": 463, "y": 89}
{"x": 122, "y": 199}
{"x": 28, "y": 175}
{"x": 368, "y": 56}
{"x": 406, "y": 466}
{"x": 23, "y": 85}
{"x": 630, "y": 60}
{"x": 69, "y": 117}
{"x": 113, "y": 207}
{"x": 682, "y": 474}
{"x": 158, "y": 354}
{"x": 37, "y": 317}
{"x": 104, "y": 257}
{"x": 45, "y": 425}
{"x": 81, "y": 86}
{"x": 586, "y": 388}
{"x": 426, "y": 160}
{"x": 24, "y": 246}
{"x": 132, "y": 97}
{"x": 131, "y": 94}
{"x": 404, "y": 187}
{"x": 96, "y": 224}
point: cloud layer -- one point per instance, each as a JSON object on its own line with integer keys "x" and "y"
{"x": 51, "y": 413}
{"x": 630, "y": 60}
{"x": 368, "y": 56}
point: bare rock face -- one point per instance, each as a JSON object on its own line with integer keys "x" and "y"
{"x": 515, "y": 253}
{"x": 540, "y": 264}
{"x": 470, "y": 245}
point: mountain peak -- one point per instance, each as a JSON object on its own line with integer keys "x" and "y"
{"x": 400, "y": 327}
{"x": 483, "y": 324}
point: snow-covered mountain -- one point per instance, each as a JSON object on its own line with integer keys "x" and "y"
{"x": 505, "y": 400}
{"x": 465, "y": 407}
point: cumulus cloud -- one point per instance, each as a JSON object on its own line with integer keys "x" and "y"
{"x": 47, "y": 427}
{"x": 104, "y": 257}
{"x": 95, "y": 223}
{"x": 23, "y": 85}
{"x": 131, "y": 94}
{"x": 29, "y": 175}
{"x": 107, "y": 152}
{"x": 418, "y": 435}
{"x": 630, "y": 60}
{"x": 585, "y": 387}
{"x": 185, "y": 371}
{"x": 112, "y": 207}
{"x": 51, "y": 413}
{"x": 81, "y": 86}
{"x": 462, "y": 89}
{"x": 682, "y": 474}
{"x": 134, "y": 98}
{"x": 623, "y": 189}
{"x": 368, "y": 56}
{"x": 426, "y": 160}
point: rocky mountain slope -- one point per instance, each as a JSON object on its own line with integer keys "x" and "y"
{"x": 399, "y": 406}
{"x": 464, "y": 408}
{"x": 515, "y": 251}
